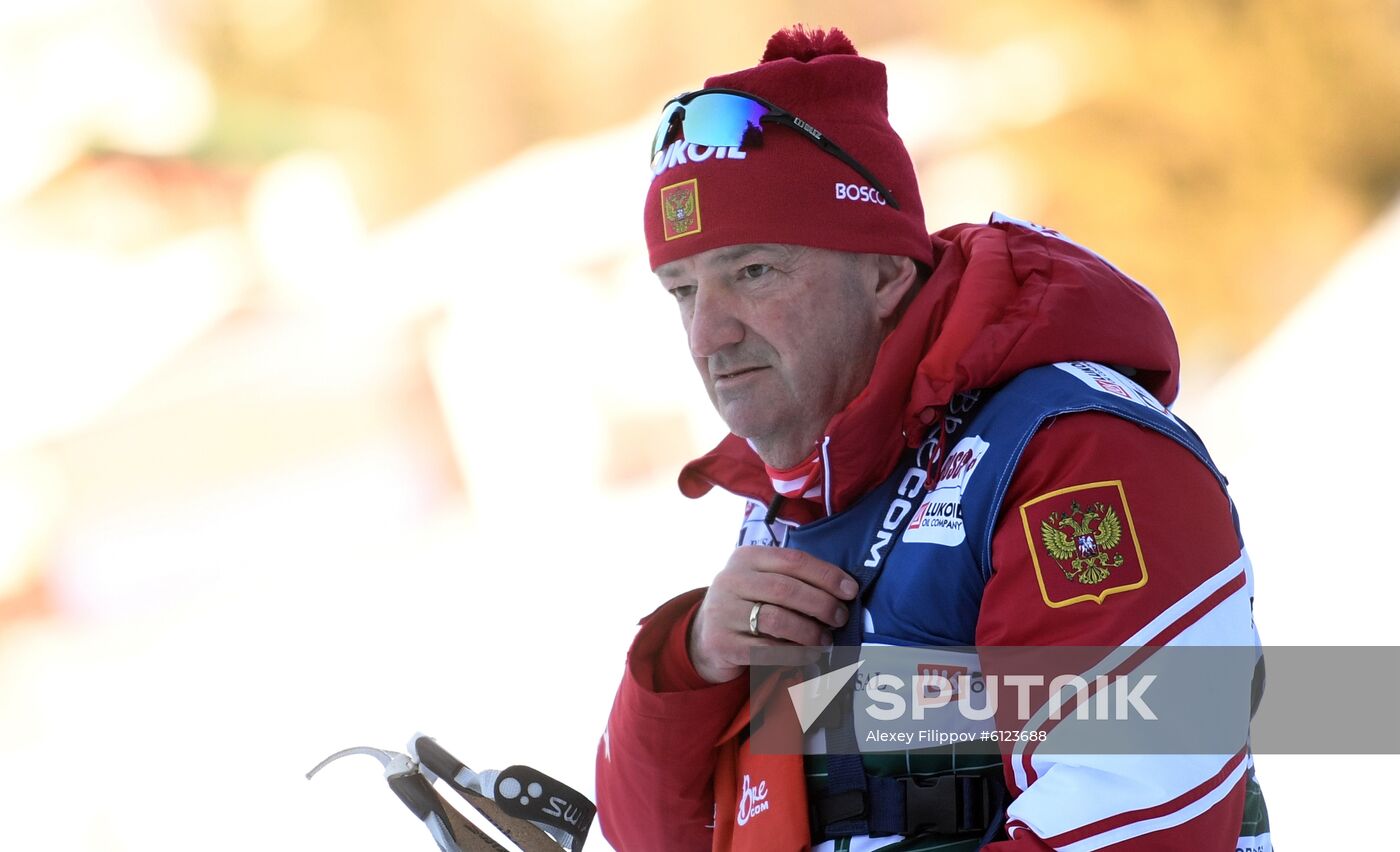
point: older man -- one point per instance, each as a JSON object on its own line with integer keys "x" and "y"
{"x": 857, "y": 360}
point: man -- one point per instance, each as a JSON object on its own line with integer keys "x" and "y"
{"x": 855, "y": 358}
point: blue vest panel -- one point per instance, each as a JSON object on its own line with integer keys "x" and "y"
{"x": 939, "y": 535}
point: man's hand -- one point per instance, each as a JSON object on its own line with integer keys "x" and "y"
{"x": 802, "y": 598}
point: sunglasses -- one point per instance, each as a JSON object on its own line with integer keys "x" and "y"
{"x": 730, "y": 118}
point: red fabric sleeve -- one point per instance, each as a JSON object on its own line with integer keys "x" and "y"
{"x": 1180, "y": 518}
{"x": 656, "y": 761}
{"x": 672, "y": 669}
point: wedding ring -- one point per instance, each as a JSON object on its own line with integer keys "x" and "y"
{"x": 753, "y": 619}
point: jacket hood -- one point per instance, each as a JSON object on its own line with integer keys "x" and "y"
{"x": 1002, "y": 298}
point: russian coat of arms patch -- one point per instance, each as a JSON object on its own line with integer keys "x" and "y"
{"x": 680, "y": 209}
{"x": 1083, "y": 543}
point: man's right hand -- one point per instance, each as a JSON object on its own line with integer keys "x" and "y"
{"x": 802, "y": 596}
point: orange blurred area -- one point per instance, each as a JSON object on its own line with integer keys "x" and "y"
{"x": 337, "y": 401}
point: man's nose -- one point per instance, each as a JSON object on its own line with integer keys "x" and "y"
{"x": 713, "y": 323}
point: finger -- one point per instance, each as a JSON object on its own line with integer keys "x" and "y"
{"x": 794, "y": 594}
{"x": 777, "y": 622}
{"x": 740, "y": 652}
{"x": 803, "y": 566}
{"x": 795, "y": 655}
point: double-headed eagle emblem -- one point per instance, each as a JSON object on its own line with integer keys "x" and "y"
{"x": 1088, "y": 545}
{"x": 680, "y": 210}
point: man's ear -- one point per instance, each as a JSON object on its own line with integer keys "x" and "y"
{"x": 897, "y": 282}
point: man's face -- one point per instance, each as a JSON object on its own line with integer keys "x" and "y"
{"x": 783, "y": 336}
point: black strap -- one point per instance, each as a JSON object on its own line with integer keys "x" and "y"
{"x": 857, "y": 803}
{"x": 848, "y": 787}
{"x": 942, "y": 805}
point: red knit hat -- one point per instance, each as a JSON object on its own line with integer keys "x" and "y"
{"x": 789, "y": 190}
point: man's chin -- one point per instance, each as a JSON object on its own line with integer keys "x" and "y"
{"x": 758, "y": 431}
{"x": 745, "y": 424}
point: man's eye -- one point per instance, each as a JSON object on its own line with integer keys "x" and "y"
{"x": 683, "y": 292}
{"x": 754, "y": 270}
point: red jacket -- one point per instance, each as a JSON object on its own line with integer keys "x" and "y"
{"x": 1002, "y": 298}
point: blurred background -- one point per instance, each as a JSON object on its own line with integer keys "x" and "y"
{"x": 337, "y": 401}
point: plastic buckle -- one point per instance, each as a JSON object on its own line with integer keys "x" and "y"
{"x": 936, "y": 804}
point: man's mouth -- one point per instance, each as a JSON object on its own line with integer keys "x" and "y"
{"x": 731, "y": 374}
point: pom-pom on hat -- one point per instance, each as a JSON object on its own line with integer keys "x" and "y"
{"x": 788, "y": 189}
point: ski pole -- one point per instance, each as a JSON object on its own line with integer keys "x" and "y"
{"x": 517, "y": 791}
{"x": 451, "y": 831}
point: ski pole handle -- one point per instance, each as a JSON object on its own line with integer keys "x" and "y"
{"x": 519, "y": 792}
{"x": 418, "y": 794}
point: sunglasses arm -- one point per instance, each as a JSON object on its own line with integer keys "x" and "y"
{"x": 832, "y": 148}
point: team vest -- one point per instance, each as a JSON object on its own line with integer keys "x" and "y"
{"x": 930, "y": 591}
{"x": 936, "y": 540}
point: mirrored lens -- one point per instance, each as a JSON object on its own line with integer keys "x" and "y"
{"x": 712, "y": 119}
{"x": 722, "y": 119}
{"x": 664, "y": 130}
